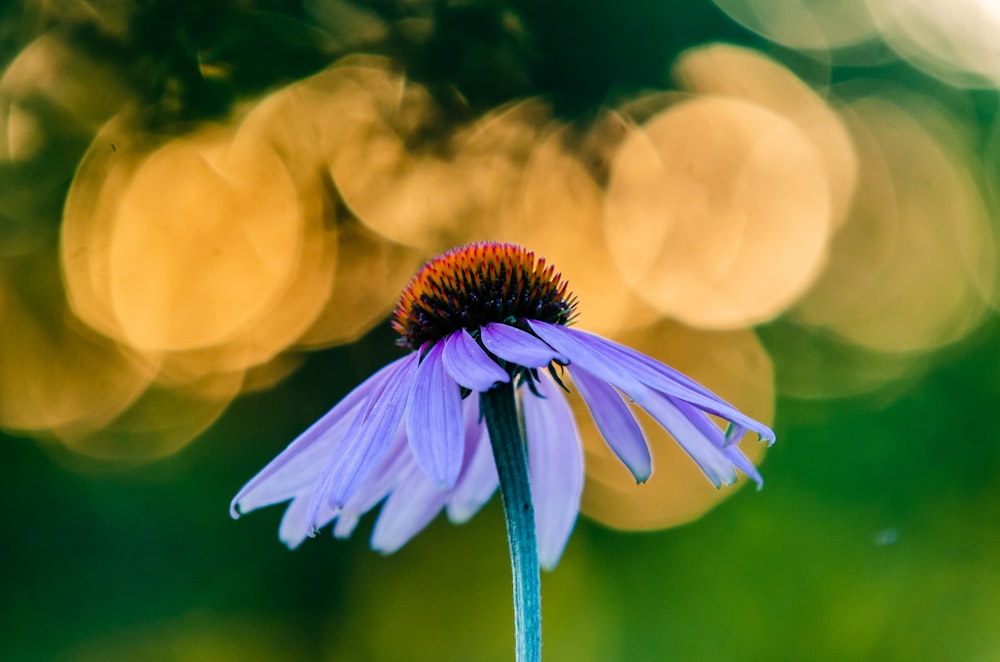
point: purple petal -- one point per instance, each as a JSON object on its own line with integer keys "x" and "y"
{"x": 665, "y": 379}
{"x": 345, "y": 524}
{"x": 469, "y": 365}
{"x": 719, "y": 439}
{"x": 616, "y": 422}
{"x": 735, "y": 433}
{"x": 650, "y": 362}
{"x": 295, "y": 527}
{"x": 584, "y": 354}
{"x": 623, "y": 367}
{"x": 376, "y": 487}
{"x": 744, "y": 464}
{"x": 434, "y": 421}
{"x": 707, "y": 455}
{"x": 518, "y": 347}
{"x": 410, "y": 507}
{"x": 298, "y": 474}
{"x": 555, "y": 468}
{"x": 367, "y": 440}
{"x": 478, "y": 480}
{"x": 700, "y": 421}
{"x": 301, "y": 461}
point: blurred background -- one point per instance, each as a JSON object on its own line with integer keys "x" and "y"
{"x": 208, "y": 209}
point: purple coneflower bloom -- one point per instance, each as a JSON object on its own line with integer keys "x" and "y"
{"x": 413, "y": 436}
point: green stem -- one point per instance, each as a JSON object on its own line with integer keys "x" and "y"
{"x": 500, "y": 410}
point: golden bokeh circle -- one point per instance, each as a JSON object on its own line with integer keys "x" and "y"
{"x": 718, "y": 212}
{"x": 915, "y": 266}
{"x": 205, "y": 239}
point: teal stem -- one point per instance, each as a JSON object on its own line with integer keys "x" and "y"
{"x": 499, "y": 407}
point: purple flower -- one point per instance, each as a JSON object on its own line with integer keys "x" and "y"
{"x": 412, "y": 436}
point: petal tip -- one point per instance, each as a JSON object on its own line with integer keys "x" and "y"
{"x": 549, "y": 561}
{"x": 642, "y": 473}
{"x": 458, "y": 515}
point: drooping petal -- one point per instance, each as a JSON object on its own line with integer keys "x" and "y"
{"x": 345, "y": 524}
{"x": 469, "y": 365}
{"x": 706, "y": 454}
{"x": 479, "y": 478}
{"x": 743, "y": 463}
{"x": 476, "y": 486}
{"x": 623, "y": 367}
{"x": 434, "y": 421}
{"x": 583, "y": 355}
{"x": 298, "y": 475}
{"x": 555, "y": 468}
{"x": 295, "y": 527}
{"x": 616, "y": 422}
{"x": 734, "y": 433}
{"x": 517, "y": 346}
{"x": 376, "y": 487}
{"x": 700, "y": 421}
{"x": 367, "y": 440}
{"x": 301, "y": 461}
{"x": 665, "y": 379}
{"x": 411, "y": 506}
{"x": 719, "y": 439}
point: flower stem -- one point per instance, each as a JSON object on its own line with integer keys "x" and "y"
{"x": 500, "y": 410}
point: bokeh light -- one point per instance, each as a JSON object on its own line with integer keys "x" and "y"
{"x": 915, "y": 267}
{"x": 809, "y": 25}
{"x": 741, "y": 73}
{"x": 52, "y": 81}
{"x": 204, "y": 239}
{"x": 56, "y": 376}
{"x": 698, "y": 198}
{"x": 954, "y": 42}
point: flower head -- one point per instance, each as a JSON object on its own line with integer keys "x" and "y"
{"x": 469, "y": 287}
{"x": 412, "y": 435}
